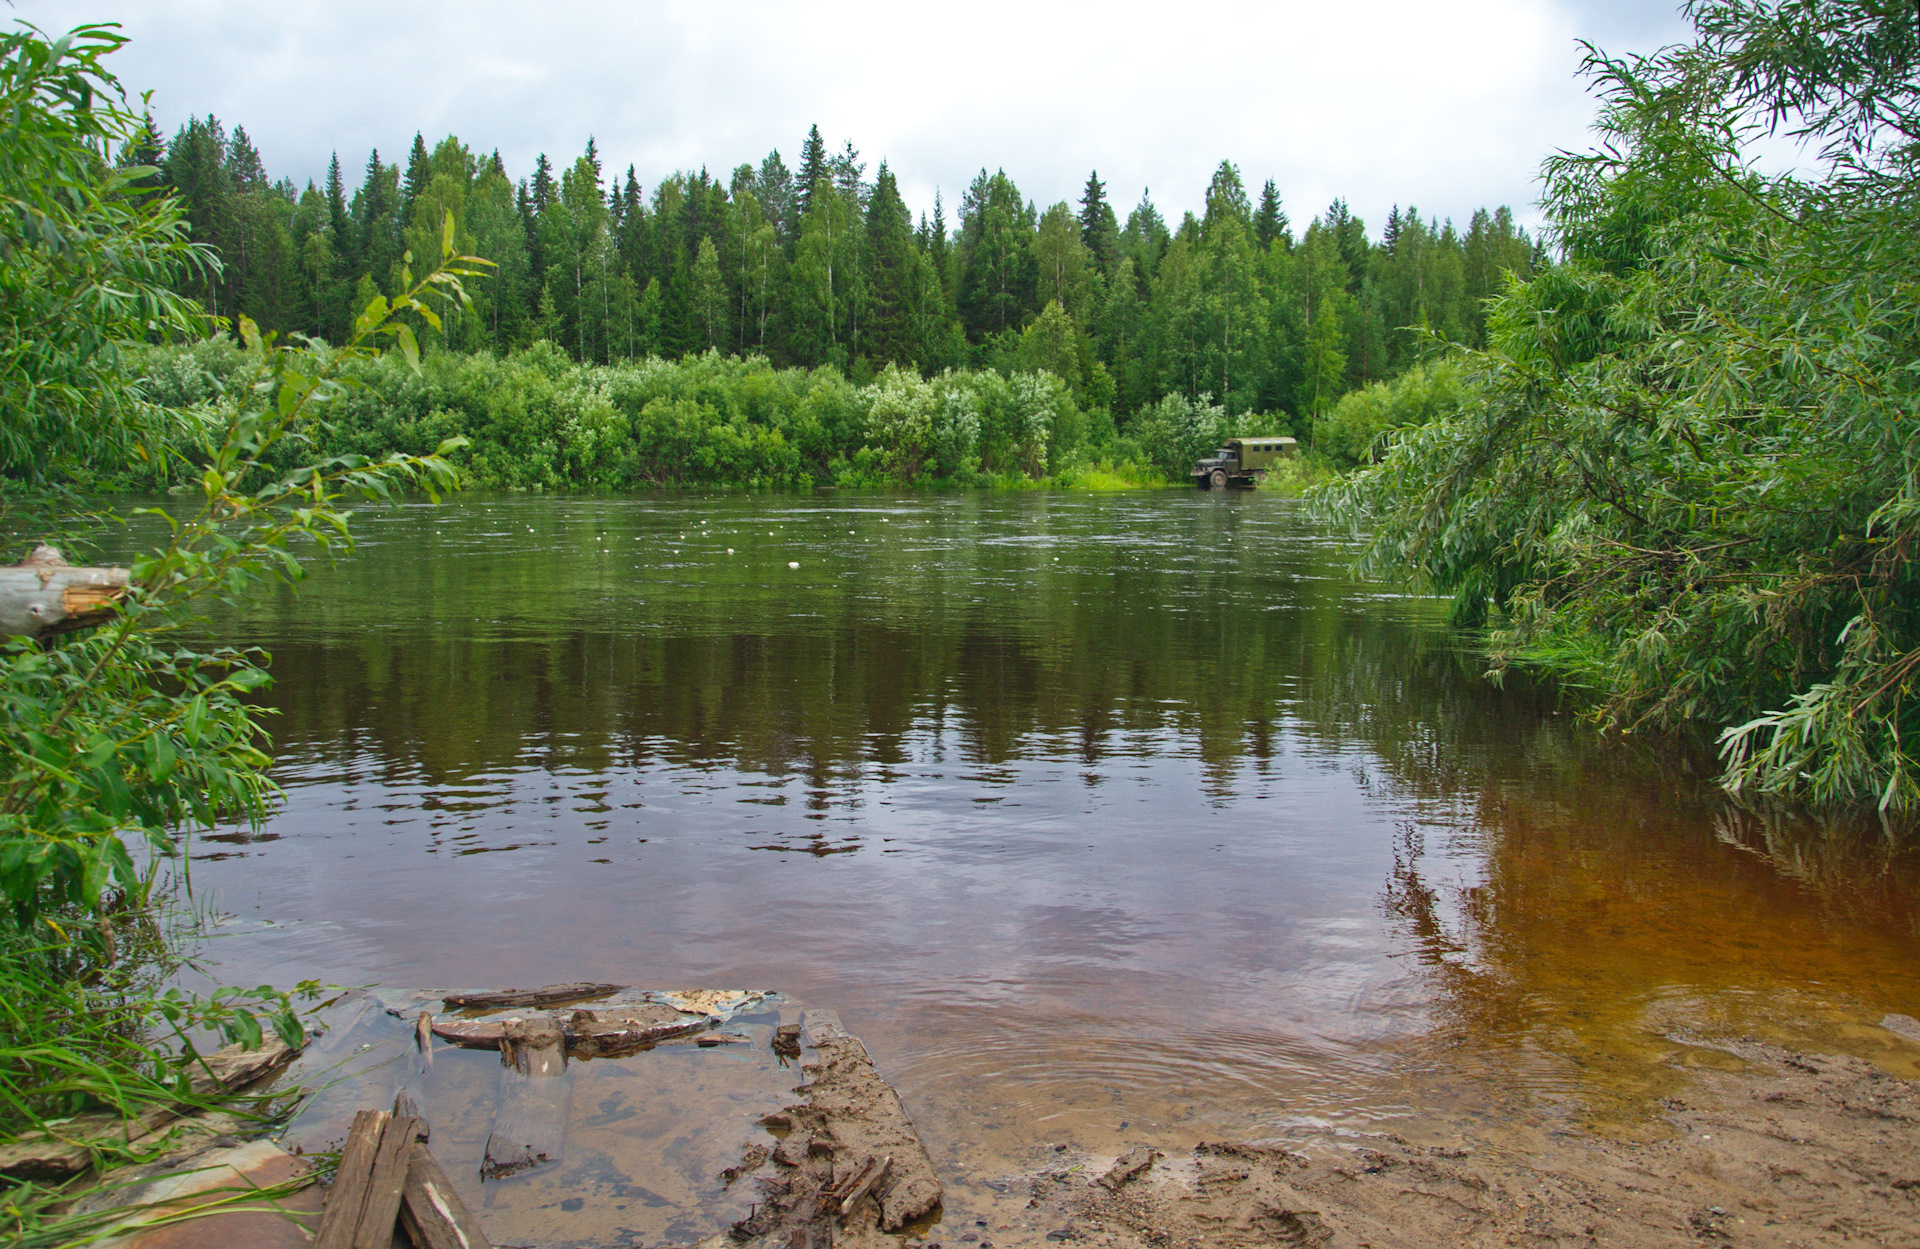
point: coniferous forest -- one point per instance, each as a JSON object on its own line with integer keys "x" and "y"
{"x": 821, "y": 263}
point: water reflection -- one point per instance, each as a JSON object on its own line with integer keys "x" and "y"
{"x": 1082, "y": 811}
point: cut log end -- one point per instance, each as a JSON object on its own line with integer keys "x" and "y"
{"x": 43, "y": 595}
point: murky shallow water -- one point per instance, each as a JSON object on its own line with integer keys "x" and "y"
{"x": 1097, "y": 818}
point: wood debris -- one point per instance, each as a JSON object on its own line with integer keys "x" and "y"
{"x": 849, "y": 1169}
{"x": 388, "y": 1179}
{"x": 551, "y": 995}
{"x": 43, "y": 595}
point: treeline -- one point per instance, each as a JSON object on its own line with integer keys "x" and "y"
{"x": 538, "y": 419}
{"x": 821, "y": 265}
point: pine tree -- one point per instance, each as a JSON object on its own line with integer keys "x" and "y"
{"x": 845, "y": 169}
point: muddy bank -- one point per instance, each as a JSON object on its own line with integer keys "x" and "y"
{"x": 1795, "y": 1149}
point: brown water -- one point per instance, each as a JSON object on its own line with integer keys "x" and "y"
{"x": 1098, "y": 818}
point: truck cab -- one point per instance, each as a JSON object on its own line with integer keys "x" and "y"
{"x": 1242, "y": 461}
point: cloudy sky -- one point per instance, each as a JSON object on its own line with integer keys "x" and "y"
{"x": 1446, "y": 105}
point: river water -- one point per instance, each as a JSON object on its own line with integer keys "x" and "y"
{"x": 1097, "y": 817}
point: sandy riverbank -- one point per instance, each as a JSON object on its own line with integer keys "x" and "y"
{"x": 1786, "y": 1149}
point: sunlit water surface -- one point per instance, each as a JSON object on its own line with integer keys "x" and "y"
{"x": 1098, "y": 818}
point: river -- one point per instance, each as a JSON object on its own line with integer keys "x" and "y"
{"x": 1095, "y": 816}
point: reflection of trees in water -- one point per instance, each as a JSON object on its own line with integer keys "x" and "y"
{"x": 983, "y": 654}
{"x": 1566, "y": 902}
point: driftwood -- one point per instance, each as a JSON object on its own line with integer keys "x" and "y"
{"x": 43, "y": 595}
{"x": 42, "y": 1155}
{"x": 551, "y": 995}
{"x": 432, "y": 1213}
{"x": 530, "y": 1118}
{"x": 606, "y": 1033}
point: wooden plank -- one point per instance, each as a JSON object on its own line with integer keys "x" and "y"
{"x": 405, "y": 1107}
{"x": 433, "y": 1214}
{"x": 530, "y": 1118}
{"x": 503, "y": 998}
{"x": 388, "y": 1179}
{"x": 341, "y": 1219}
{"x": 43, "y": 595}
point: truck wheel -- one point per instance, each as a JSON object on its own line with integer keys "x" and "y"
{"x": 1218, "y": 478}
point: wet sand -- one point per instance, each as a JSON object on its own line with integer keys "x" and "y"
{"x": 1786, "y": 1148}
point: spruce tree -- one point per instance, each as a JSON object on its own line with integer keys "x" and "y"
{"x": 893, "y": 264}
{"x": 1269, "y": 220}
{"x": 419, "y": 173}
{"x": 542, "y": 184}
{"x": 813, "y": 168}
{"x": 1099, "y": 230}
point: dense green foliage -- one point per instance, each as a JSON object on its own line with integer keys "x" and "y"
{"x": 117, "y": 742}
{"x": 538, "y": 419}
{"x": 1685, "y": 474}
{"x": 823, "y": 266}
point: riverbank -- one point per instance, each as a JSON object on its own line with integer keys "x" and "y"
{"x": 1780, "y": 1148}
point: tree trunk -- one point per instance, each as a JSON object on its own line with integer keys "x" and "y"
{"x": 44, "y": 595}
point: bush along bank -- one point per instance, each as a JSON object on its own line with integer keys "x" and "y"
{"x": 538, "y": 420}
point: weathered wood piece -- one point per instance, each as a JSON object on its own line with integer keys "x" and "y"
{"x": 552, "y": 994}
{"x": 340, "y": 1221}
{"x": 389, "y": 1177}
{"x": 404, "y": 1107}
{"x": 590, "y": 1034}
{"x": 44, "y": 595}
{"x": 1129, "y": 1164}
{"x": 843, "y": 1197}
{"x": 69, "y": 1150}
{"x": 423, "y": 1039}
{"x": 432, "y": 1213}
{"x": 530, "y": 1118}
{"x": 622, "y": 1030}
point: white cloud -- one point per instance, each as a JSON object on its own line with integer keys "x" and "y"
{"x": 1448, "y": 106}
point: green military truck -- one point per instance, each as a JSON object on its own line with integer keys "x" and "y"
{"x": 1242, "y": 462}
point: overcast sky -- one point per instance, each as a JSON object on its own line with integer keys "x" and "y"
{"x": 1445, "y": 105}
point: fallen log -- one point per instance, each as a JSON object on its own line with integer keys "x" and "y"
{"x": 43, "y": 595}
{"x": 70, "y": 1150}
{"x": 553, "y": 994}
{"x": 530, "y": 1118}
{"x": 608, "y": 1033}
